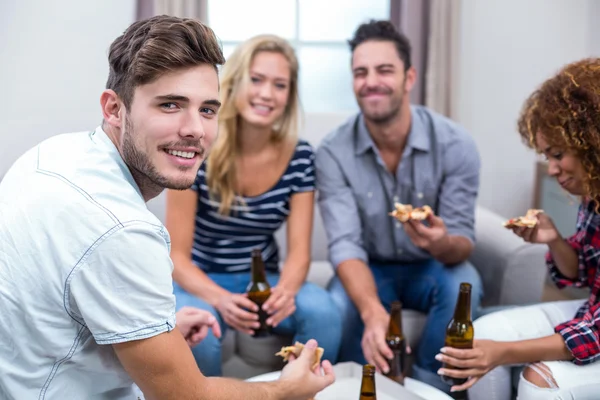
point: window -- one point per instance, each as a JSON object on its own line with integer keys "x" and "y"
{"x": 318, "y": 30}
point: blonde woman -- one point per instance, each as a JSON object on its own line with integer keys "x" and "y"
{"x": 257, "y": 176}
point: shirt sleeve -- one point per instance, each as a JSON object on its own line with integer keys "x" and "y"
{"x": 122, "y": 289}
{"x": 582, "y": 336}
{"x": 304, "y": 169}
{"x": 339, "y": 210}
{"x": 458, "y": 192}
{"x": 584, "y": 258}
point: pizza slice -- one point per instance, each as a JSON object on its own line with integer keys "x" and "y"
{"x": 296, "y": 349}
{"x": 529, "y": 220}
{"x": 405, "y": 212}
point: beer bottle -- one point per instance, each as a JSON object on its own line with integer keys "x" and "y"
{"x": 397, "y": 343}
{"x": 258, "y": 291}
{"x": 367, "y": 386}
{"x": 459, "y": 333}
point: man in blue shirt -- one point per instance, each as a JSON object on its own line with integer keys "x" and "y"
{"x": 394, "y": 152}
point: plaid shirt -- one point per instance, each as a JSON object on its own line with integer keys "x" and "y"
{"x": 582, "y": 333}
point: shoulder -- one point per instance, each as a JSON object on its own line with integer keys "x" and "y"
{"x": 340, "y": 137}
{"x": 446, "y": 130}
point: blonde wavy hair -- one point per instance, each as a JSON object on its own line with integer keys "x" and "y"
{"x": 220, "y": 165}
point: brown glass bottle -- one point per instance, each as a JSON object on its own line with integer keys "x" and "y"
{"x": 367, "y": 386}
{"x": 258, "y": 291}
{"x": 397, "y": 343}
{"x": 459, "y": 333}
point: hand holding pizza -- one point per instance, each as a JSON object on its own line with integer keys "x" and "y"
{"x": 430, "y": 237}
{"x": 534, "y": 227}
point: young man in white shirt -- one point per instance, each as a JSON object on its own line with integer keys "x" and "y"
{"x": 85, "y": 274}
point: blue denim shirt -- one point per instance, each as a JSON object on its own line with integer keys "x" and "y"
{"x": 83, "y": 265}
{"x": 439, "y": 167}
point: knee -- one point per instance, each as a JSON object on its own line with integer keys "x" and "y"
{"x": 539, "y": 375}
{"x": 315, "y": 303}
{"x": 450, "y": 283}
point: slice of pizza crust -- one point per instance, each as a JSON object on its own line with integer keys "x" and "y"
{"x": 296, "y": 349}
{"x": 529, "y": 220}
{"x": 405, "y": 212}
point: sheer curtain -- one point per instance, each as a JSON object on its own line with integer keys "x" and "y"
{"x": 179, "y": 8}
{"x": 442, "y": 56}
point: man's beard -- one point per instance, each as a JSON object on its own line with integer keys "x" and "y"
{"x": 385, "y": 116}
{"x": 144, "y": 171}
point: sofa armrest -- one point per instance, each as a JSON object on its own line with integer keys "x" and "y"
{"x": 512, "y": 271}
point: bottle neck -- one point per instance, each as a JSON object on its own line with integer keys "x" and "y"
{"x": 258, "y": 270}
{"x": 395, "y": 326}
{"x": 462, "y": 312}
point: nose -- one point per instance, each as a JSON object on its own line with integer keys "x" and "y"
{"x": 371, "y": 79}
{"x": 192, "y": 125}
{"x": 266, "y": 91}
{"x": 553, "y": 168}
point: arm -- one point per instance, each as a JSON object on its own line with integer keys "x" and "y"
{"x": 163, "y": 368}
{"x": 342, "y": 223}
{"x": 457, "y": 201}
{"x": 299, "y": 230}
{"x": 180, "y": 222}
{"x": 549, "y": 348}
{"x": 343, "y": 226}
{"x": 563, "y": 257}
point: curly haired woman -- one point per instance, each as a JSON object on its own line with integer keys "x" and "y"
{"x": 559, "y": 342}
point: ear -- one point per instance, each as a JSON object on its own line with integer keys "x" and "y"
{"x": 411, "y": 78}
{"x": 112, "y": 108}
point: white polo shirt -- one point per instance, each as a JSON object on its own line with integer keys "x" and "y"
{"x": 83, "y": 265}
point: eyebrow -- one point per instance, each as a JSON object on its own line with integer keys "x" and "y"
{"x": 184, "y": 99}
{"x": 387, "y": 65}
{"x": 277, "y": 78}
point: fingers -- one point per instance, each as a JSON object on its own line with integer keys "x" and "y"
{"x": 309, "y": 353}
{"x": 374, "y": 355}
{"x": 275, "y": 296}
{"x": 460, "y": 373}
{"x": 280, "y": 315}
{"x": 470, "y": 382}
{"x": 216, "y": 329}
{"x": 408, "y": 349}
{"x": 457, "y": 362}
{"x": 328, "y": 376}
{"x": 462, "y": 354}
{"x": 244, "y": 302}
{"x": 197, "y": 335}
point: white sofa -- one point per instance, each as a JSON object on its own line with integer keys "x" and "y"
{"x": 512, "y": 272}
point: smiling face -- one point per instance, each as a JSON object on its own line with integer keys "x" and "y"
{"x": 563, "y": 165}
{"x": 266, "y": 97}
{"x": 171, "y": 125}
{"x": 379, "y": 79}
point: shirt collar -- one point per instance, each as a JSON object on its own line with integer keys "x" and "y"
{"x": 100, "y": 137}
{"x": 418, "y": 135}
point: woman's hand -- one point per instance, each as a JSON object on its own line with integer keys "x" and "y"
{"x": 233, "y": 308}
{"x": 280, "y": 305}
{"x": 543, "y": 232}
{"x": 473, "y": 363}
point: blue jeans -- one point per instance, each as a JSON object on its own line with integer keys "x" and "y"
{"x": 428, "y": 287}
{"x": 316, "y": 317}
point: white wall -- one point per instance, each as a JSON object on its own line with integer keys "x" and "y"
{"x": 54, "y": 67}
{"x": 507, "y": 48}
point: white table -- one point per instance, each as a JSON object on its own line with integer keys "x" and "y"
{"x": 417, "y": 387}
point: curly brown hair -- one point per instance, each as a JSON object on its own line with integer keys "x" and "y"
{"x": 565, "y": 109}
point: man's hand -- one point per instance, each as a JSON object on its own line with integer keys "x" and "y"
{"x": 543, "y": 232}
{"x": 280, "y": 305}
{"x": 298, "y": 373}
{"x": 194, "y": 324}
{"x": 430, "y": 238}
{"x": 473, "y": 363}
{"x": 373, "y": 343}
{"x": 232, "y": 308}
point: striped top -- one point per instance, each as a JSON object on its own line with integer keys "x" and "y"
{"x": 224, "y": 243}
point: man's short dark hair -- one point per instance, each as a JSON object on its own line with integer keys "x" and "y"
{"x": 152, "y": 47}
{"x": 382, "y": 31}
